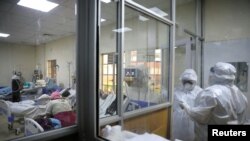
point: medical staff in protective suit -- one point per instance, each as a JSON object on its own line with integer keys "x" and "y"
{"x": 186, "y": 92}
{"x": 220, "y": 103}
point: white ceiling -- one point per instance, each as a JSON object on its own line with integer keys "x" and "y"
{"x": 32, "y": 27}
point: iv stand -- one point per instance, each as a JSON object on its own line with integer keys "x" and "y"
{"x": 69, "y": 63}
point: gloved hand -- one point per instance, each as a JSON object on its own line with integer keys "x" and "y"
{"x": 183, "y": 105}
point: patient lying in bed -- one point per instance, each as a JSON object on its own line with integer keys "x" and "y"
{"x": 26, "y": 108}
{"x": 60, "y": 108}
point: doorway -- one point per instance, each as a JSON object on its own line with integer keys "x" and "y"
{"x": 52, "y": 69}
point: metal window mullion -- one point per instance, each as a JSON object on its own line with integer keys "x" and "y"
{"x": 145, "y": 111}
{"x": 120, "y": 50}
{"x": 109, "y": 120}
{"x": 188, "y": 54}
{"x": 87, "y": 87}
{"x": 172, "y": 61}
{"x": 198, "y": 46}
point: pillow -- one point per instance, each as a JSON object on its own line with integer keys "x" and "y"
{"x": 55, "y": 95}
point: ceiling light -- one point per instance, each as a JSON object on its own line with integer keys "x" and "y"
{"x": 103, "y": 20}
{"x": 41, "y": 5}
{"x": 106, "y": 1}
{"x": 125, "y": 29}
{"x": 142, "y": 18}
{"x": 158, "y": 11}
{"x": 75, "y": 9}
{"x": 5, "y": 35}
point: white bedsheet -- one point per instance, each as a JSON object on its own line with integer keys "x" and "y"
{"x": 26, "y": 108}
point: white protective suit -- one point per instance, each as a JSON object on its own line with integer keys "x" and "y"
{"x": 220, "y": 103}
{"x": 187, "y": 92}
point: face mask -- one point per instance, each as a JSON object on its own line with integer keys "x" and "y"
{"x": 188, "y": 86}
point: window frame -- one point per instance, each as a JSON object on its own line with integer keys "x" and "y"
{"x": 87, "y": 68}
{"x": 120, "y": 117}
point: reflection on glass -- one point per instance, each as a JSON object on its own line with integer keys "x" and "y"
{"x": 108, "y": 63}
{"x": 241, "y": 80}
{"x": 105, "y": 59}
{"x": 159, "y": 7}
{"x": 133, "y": 56}
{"x": 38, "y": 78}
{"x": 180, "y": 62}
{"x": 184, "y": 19}
{"x": 145, "y": 71}
{"x": 145, "y": 65}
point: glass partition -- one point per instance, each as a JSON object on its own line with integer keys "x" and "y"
{"x": 107, "y": 61}
{"x": 186, "y": 15}
{"x": 146, "y": 47}
{"x": 143, "y": 70}
{"x": 37, "y": 55}
{"x": 160, "y": 7}
{"x": 241, "y": 80}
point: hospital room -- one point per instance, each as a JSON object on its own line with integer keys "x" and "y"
{"x": 124, "y": 70}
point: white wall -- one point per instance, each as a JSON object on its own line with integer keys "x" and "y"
{"x": 63, "y": 51}
{"x": 147, "y": 34}
{"x": 185, "y": 17}
{"x": 40, "y": 57}
{"x": 18, "y": 57}
{"x": 227, "y": 19}
{"x": 227, "y": 34}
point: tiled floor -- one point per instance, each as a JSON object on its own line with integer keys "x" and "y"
{"x": 5, "y": 133}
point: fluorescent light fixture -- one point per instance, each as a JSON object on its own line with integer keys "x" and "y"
{"x": 106, "y": 1}
{"x": 103, "y": 20}
{"x": 5, "y": 35}
{"x": 125, "y": 29}
{"x": 75, "y": 9}
{"x": 158, "y": 11}
{"x": 142, "y": 18}
{"x": 41, "y": 5}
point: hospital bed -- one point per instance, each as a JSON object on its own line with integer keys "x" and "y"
{"x": 105, "y": 103}
{"x": 5, "y": 93}
{"x": 107, "y": 108}
{"x": 20, "y": 110}
{"x": 5, "y": 90}
{"x": 31, "y": 127}
{"x": 5, "y": 111}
